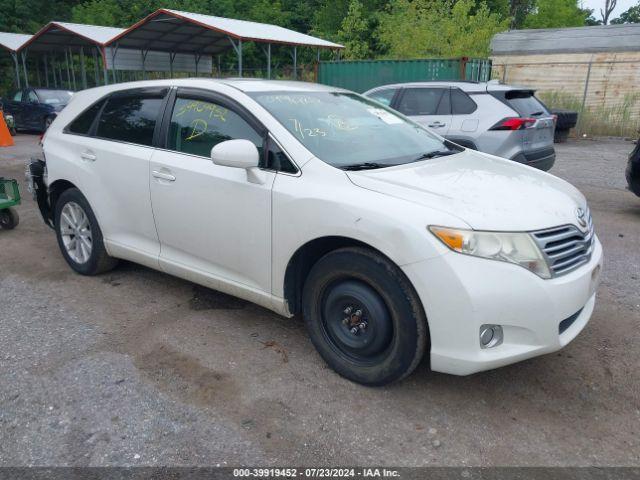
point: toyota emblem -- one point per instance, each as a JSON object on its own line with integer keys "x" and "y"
{"x": 581, "y": 215}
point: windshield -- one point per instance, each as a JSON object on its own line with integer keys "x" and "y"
{"x": 346, "y": 130}
{"x": 54, "y": 97}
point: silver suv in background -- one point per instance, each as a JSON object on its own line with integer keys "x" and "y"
{"x": 502, "y": 120}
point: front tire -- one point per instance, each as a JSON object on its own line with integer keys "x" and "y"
{"x": 79, "y": 235}
{"x": 364, "y": 317}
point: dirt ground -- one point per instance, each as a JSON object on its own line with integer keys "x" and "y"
{"x": 135, "y": 367}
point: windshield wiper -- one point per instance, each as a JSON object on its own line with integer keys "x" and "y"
{"x": 536, "y": 114}
{"x": 434, "y": 154}
{"x": 364, "y": 166}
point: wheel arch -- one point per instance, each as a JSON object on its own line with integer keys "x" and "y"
{"x": 55, "y": 190}
{"x": 301, "y": 262}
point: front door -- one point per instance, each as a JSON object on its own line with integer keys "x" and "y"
{"x": 214, "y": 225}
{"x": 429, "y": 106}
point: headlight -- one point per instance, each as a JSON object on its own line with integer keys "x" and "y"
{"x": 518, "y": 248}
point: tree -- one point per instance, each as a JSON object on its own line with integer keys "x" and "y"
{"x": 556, "y": 14}
{"x": 609, "y": 6}
{"x": 518, "y": 11}
{"x": 354, "y": 32}
{"x": 441, "y": 28}
{"x": 632, "y": 15}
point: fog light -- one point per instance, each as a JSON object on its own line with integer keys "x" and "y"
{"x": 490, "y": 336}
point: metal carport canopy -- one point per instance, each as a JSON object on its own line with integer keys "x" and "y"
{"x": 63, "y": 37}
{"x": 13, "y": 42}
{"x": 59, "y": 36}
{"x": 175, "y": 32}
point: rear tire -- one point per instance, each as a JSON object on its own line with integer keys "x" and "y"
{"x": 364, "y": 317}
{"x": 9, "y": 218}
{"x": 79, "y": 235}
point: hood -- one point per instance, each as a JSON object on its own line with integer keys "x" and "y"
{"x": 486, "y": 192}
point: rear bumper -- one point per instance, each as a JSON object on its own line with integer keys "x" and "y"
{"x": 461, "y": 293}
{"x": 542, "y": 159}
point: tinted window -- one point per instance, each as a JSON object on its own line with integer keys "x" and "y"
{"x": 383, "y": 96}
{"x": 129, "y": 119}
{"x": 461, "y": 103}
{"x": 525, "y": 103}
{"x": 277, "y": 160}
{"x": 83, "y": 122}
{"x": 198, "y": 125}
{"x": 421, "y": 101}
{"x": 18, "y": 96}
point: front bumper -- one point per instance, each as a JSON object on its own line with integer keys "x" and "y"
{"x": 460, "y": 293}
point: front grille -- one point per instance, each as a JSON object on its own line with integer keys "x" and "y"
{"x": 567, "y": 247}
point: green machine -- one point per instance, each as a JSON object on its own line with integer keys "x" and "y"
{"x": 9, "y": 198}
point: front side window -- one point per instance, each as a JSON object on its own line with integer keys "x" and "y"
{"x": 383, "y": 96}
{"x": 129, "y": 119}
{"x": 347, "y": 129}
{"x": 199, "y": 125}
{"x": 421, "y": 101}
{"x": 32, "y": 97}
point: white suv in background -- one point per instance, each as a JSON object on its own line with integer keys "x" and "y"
{"x": 502, "y": 120}
{"x": 390, "y": 241}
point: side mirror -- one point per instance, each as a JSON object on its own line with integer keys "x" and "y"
{"x": 239, "y": 154}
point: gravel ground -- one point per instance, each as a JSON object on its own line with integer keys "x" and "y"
{"x": 135, "y": 367}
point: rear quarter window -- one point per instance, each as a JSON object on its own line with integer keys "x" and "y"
{"x": 82, "y": 123}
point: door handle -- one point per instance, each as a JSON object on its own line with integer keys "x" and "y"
{"x": 88, "y": 156}
{"x": 163, "y": 176}
{"x": 437, "y": 125}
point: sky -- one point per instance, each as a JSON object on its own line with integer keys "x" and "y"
{"x": 596, "y": 5}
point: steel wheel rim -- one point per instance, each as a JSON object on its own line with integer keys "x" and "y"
{"x": 75, "y": 231}
{"x": 346, "y": 304}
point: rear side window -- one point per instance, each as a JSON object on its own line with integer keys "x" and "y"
{"x": 82, "y": 124}
{"x": 129, "y": 119}
{"x": 18, "y": 96}
{"x": 421, "y": 101}
{"x": 525, "y": 103}
{"x": 199, "y": 125}
{"x": 383, "y": 96}
{"x": 461, "y": 103}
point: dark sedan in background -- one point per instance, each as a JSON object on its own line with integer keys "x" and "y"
{"x": 35, "y": 108}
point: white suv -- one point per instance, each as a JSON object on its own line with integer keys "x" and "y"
{"x": 502, "y": 120}
{"x": 389, "y": 240}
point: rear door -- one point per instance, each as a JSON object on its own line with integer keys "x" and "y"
{"x": 539, "y": 135}
{"x": 430, "y": 106}
{"x": 465, "y": 118}
{"x": 115, "y": 156}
